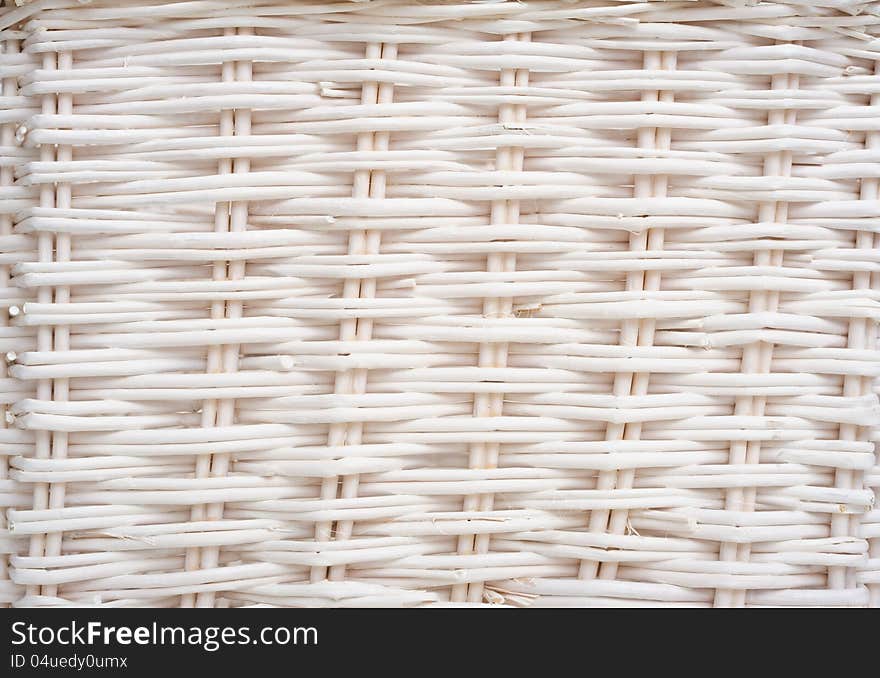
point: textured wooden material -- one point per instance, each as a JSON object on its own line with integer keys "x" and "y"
{"x": 384, "y": 303}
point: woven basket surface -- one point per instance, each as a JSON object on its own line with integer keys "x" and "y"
{"x": 380, "y": 303}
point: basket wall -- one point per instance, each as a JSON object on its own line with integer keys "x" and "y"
{"x": 385, "y": 303}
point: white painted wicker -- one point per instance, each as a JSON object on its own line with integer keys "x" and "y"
{"x": 383, "y": 303}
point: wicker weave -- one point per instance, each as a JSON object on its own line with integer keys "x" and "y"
{"x": 383, "y": 303}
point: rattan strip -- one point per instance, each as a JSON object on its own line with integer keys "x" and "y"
{"x": 520, "y": 303}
